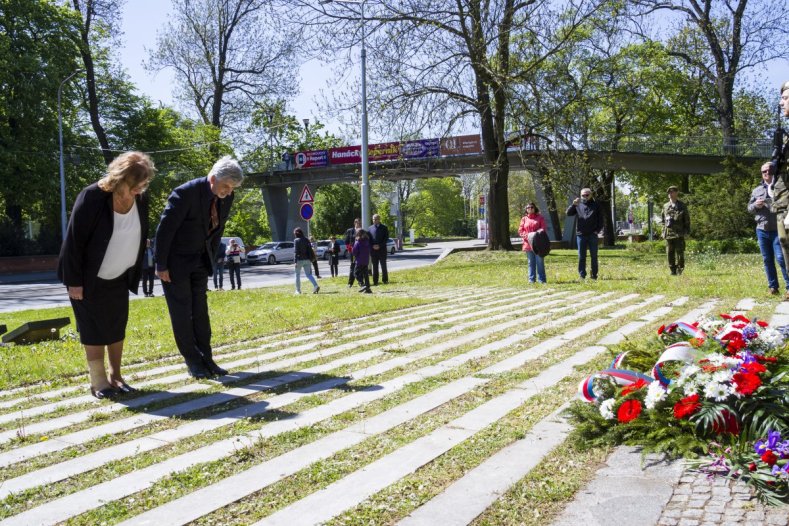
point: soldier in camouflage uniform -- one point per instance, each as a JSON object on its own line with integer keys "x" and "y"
{"x": 780, "y": 193}
{"x": 676, "y": 225}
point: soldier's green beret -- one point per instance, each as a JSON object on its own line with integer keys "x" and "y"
{"x": 673, "y": 188}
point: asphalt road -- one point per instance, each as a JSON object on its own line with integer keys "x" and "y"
{"x": 45, "y": 291}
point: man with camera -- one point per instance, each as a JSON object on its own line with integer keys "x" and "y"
{"x": 779, "y": 190}
{"x": 676, "y": 225}
{"x": 767, "y": 231}
{"x": 588, "y": 226}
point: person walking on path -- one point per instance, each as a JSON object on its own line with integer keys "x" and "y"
{"x": 101, "y": 261}
{"x": 361, "y": 253}
{"x": 767, "y": 232}
{"x": 219, "y": 267}
{"x": 532, "y": 221}
{"x": 379, "y": 235}
{"x": 304, "y": 256}
{"x": 233, "y": 257}
{"x": 587, "y": 228}
{"x": 676, "y": 225}
{"x": 186, "y": 241}
{"x": 350, "y": 239}
{"x": 148, "y": 269}
{"x": 334, "y": 257}
{"x": 314, "y": 245}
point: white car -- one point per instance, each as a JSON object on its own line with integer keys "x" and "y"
{"x": 273, "y": 253}
{"x": 390, "y": 246}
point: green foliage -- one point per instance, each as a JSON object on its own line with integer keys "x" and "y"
{"x": 248, "y": 219}
{"x": 336, "y": 206}
{"x": 436, "y": 207}
{"x": 700, "y": 247}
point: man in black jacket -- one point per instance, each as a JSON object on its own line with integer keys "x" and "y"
{"x": 350, "y": 239}
{"x": 379, "y": 235}
{"x": 589, "y": 225}
{"x": 186, "y": 243}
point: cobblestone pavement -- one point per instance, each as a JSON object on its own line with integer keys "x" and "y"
{"x": 702, "y": 501}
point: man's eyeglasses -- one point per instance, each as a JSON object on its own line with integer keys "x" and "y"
{"x": 765, "y": 171}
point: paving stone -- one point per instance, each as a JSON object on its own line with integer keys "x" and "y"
{"x": 692, "y": 513}
{"x": 757, "y": 515}
{"x": 666, "y": 521}
{"x": 712, "y": 517}
{"x": 688, "y": 522}
{"x": 695, "y": 503}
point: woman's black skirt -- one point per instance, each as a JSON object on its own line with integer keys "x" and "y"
{"x": 101, "y": 319}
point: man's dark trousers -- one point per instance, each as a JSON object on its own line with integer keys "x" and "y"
{"x": 584, "y": 243}
{"x": 379, "y": 257}
{"x": 188, "y": 306}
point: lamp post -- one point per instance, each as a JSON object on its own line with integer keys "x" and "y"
{"x": 365, "y": 159}
{"x": 62, "y": 170}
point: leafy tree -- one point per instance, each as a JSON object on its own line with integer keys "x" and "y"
{"x": 227, "y": 55}
{"x": 437, "y": 207}
{"x": 336, "y": 206}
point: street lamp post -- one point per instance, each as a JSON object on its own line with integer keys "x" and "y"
{"x": 365, "y": 158}
{"x": 63, "y": 222}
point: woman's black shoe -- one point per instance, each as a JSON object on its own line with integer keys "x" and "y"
{"x": 107, "y": 392}
{"x": 126, "y": 388}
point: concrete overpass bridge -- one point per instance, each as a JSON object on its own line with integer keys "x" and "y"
{"x": 636, "y": 153}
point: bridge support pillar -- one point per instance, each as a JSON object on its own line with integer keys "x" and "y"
{"x": 284, "y": 210}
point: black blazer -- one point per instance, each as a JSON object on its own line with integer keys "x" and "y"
{"x": 88, "y": 235}
{"x": 183, "y": 235}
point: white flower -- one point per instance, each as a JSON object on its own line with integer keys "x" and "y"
{"x": 722, "y": 376}
{"x": 718, "y": 392}
{"x": 686, "y": 375}
{"x": 771, "y": 337}
{"x": 655, "y": 393}
{"x": 607, "y": 409}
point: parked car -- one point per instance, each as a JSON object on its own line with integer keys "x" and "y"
{"x": 390, "y": 246}
{"x": 323, "y": 249}
{"x": 226, "y": 241}
{"x": 273, "y": 253}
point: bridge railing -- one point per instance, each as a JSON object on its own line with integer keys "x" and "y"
{"x": 666, "y": 144}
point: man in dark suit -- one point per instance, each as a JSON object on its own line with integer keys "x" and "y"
{"x": 350, "y": 239}
{"x": 186, "y": 242}
{"x": 379, "y": 235}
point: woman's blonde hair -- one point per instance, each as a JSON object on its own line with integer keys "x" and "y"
{"x": 132, "y": 168}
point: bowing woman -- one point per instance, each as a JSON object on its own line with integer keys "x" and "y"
{"x": 100, "y": 262}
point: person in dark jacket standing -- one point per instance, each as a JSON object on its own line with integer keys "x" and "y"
{"x": 148, "y": 269}
{"x": 350, "y": 239}
{"x": 100, "y": 263}
{"x": 767, "y": 232}
{"x": 587, "y": 227}
{"x": 334, "y": 257}
{"x": 186, "y": 241}
{"x": 303, "y": 256}
{"x": 219, "y": 267}
{"x": 676, "y": 225}
{"x": 379, "y": 235}
{"x": 361, "y": 253}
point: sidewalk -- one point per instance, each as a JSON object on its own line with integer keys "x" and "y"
{"x": 28, "y": 277}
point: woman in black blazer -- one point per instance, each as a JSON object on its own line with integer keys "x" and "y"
{"x": 100, "y": 262}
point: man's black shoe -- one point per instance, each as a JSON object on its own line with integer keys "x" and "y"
{"x": 198, "y": 373}
{"x": 214, "y": 368}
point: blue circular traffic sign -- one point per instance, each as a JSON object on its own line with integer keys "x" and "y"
{"x": 306, "y": 211}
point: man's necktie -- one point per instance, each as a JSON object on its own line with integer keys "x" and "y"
{"x": 214, "y": 214}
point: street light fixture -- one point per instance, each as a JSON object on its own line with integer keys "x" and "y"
{"x": 63, "y": 222}
{"x": 365, "y": 159}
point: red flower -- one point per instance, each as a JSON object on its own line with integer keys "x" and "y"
{"x": 725, "y": 316}
{"x": 766, "y": 359}
{"x": 661, "y": 329}
{"x": 634, "y": 387}
{"x": 695, "y": 324}
{"x": 687, "y": 406}
{"x": 752, "y": 466}
{"x": 727, "y": 424}
{"x": 754, "y": 368}
{"x": 747, "y": 383}
{"x": 769, "y": 458}
{"x": 742, "y": 318}
{"x": 761, "y": 323}
{"x": 629, "y": 410}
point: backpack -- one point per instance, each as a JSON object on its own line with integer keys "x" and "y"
{"x": 540, "y": 243}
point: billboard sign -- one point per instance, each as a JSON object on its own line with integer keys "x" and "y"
{"x": 419, "y": 149}
{"x": 461, "y": 145}
{"x": 312, "y": 159}
{"x": 385, "y": 151}
{"x": 345, "y": 155}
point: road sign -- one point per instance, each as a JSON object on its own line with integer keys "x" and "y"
{"x": 306, "y": 195}
{"x": 306, "y": 211}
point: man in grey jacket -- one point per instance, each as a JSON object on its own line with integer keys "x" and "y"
{"x": 767, "y": 231}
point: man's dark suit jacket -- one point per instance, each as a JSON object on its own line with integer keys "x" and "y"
{"x": 88, "y": 235}
{"x": 183, "y": 232}
{"x": 379, "y": 235}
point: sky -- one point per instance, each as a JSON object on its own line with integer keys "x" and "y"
{"x": 142, "y": 19}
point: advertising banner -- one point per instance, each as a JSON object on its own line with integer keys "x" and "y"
{"x": 385, "y": 151}
{"x": 419, "y": 149}
{"x": 461, "y": 145}
{"x": 346, "y": 155}
{"x": 312, "y": 159}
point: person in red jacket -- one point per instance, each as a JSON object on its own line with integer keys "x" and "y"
{"x": 532, "y": 221}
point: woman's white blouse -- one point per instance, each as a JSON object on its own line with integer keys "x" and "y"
{"x": 124, "y": 244}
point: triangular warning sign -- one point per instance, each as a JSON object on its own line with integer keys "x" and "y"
{"x": 306, "y": 195}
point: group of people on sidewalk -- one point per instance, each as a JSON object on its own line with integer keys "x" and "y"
{"x": 368, "y": 248}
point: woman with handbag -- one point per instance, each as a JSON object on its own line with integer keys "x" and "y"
{"x": 531, "y": 222}
{"x": 101, "y": 262}
{"x": 234, "y": 264}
